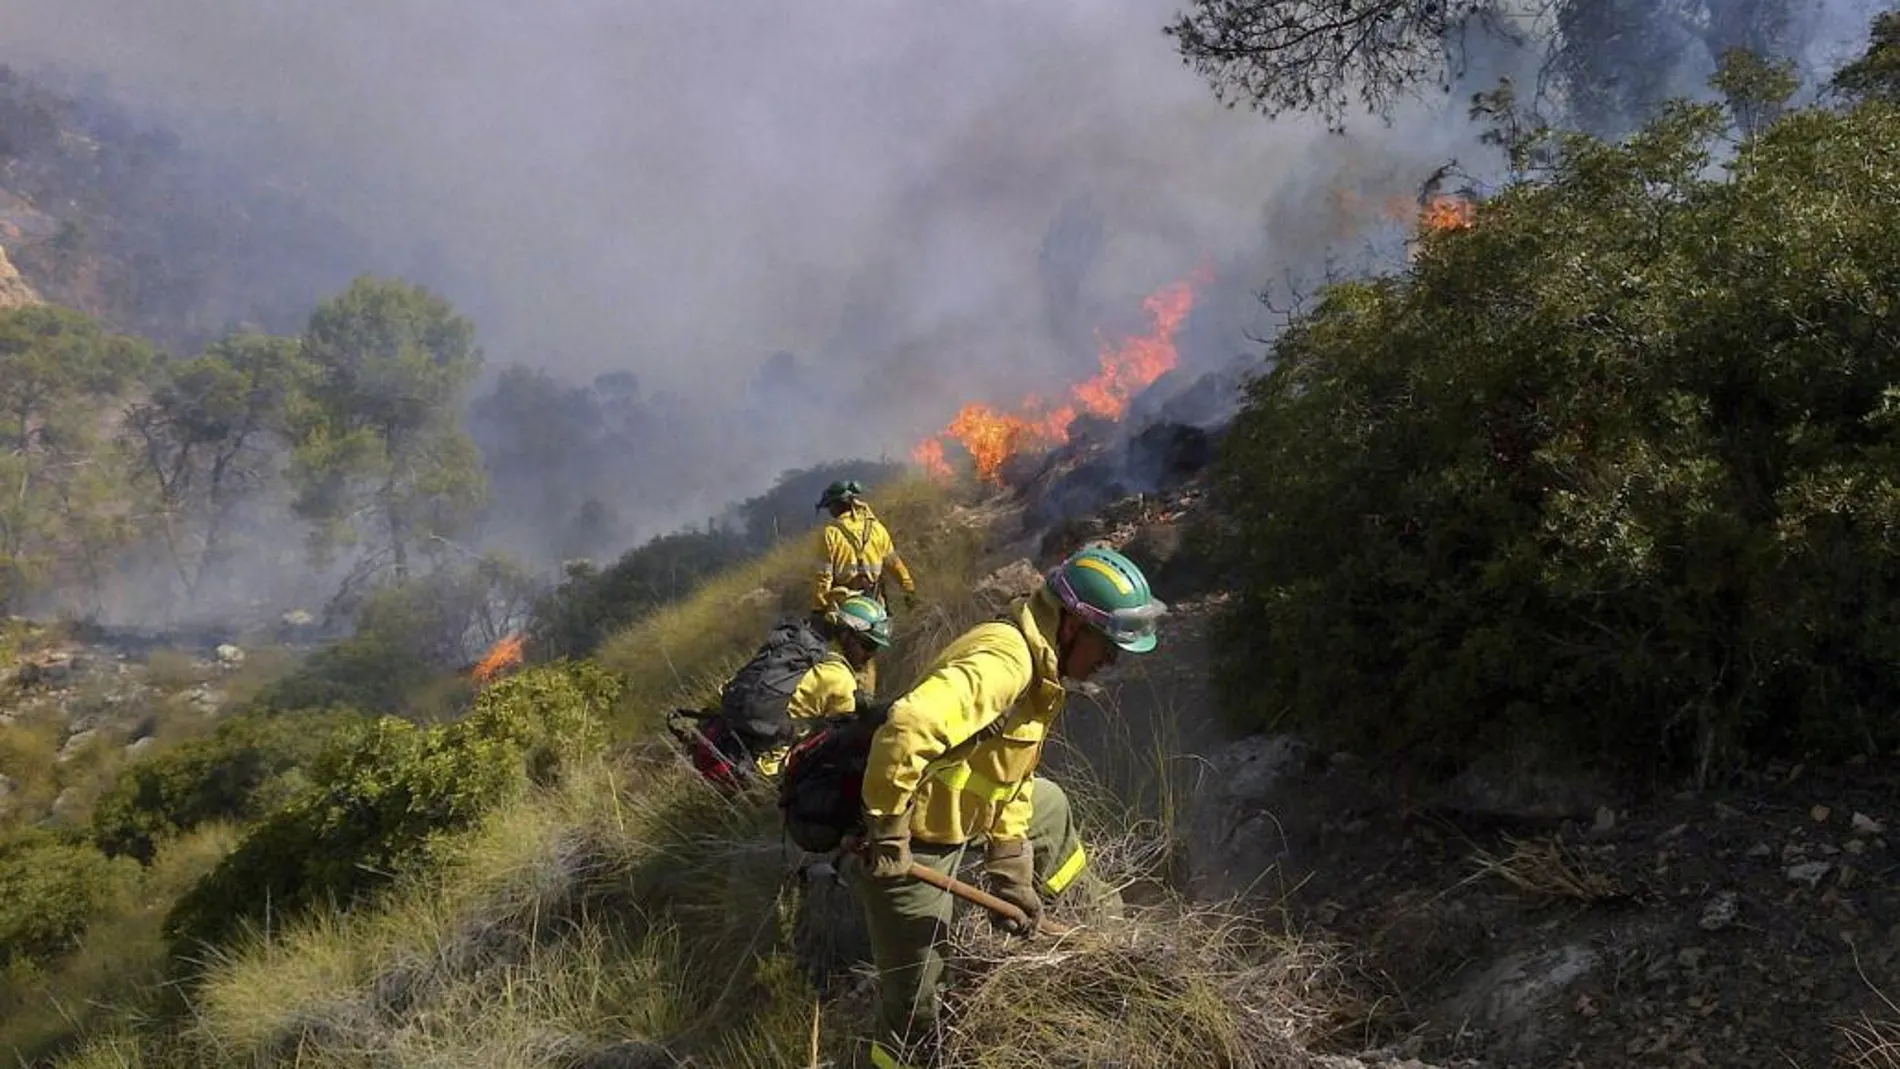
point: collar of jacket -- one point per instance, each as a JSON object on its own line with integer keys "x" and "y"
{"x": 1039, "y": 618}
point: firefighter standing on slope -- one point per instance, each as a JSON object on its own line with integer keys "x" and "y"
{"x": 858, "y": 550}
{"x": 1001, "y": 679}
{"x": 857, "y": 553}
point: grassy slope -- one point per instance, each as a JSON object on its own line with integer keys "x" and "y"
{"x": 630, "y": 905}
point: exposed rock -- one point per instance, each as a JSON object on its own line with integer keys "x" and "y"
{"x": 1720, "y": 913}
{"x": 1004, "y": 585}
{"x": 1236, "y": 825}
{"x": 15, "y": 292}
{"x": 1808, "y": 872}
{"x": 1526, "y": 785}
{"x": 230, "y": 656}
{"x": 139, "y": 746}
{"x": 51, "y": 673}
{"x": 1511, "y": 997}
{"x": 76, "y": 742}
{"x": 64, "y": 804}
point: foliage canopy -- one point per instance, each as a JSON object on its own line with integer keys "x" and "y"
{"x": 1615, "y": 470}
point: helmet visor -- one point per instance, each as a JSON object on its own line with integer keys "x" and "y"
{"x": 1132, "y": 629}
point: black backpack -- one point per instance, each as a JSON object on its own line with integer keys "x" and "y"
{"x": 754, "y": 701}
{"x": 819, "y": 791}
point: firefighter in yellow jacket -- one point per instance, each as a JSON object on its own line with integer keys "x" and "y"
{"x": 859, "y": 629}
{"x": 1002, "y": 680}
{"x": 858, "y": 552}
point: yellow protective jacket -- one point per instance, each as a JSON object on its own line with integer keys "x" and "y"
{"x": 828, "y": 688}
{"x": 858, "y": 548}
{"x": 1000, "y": 676}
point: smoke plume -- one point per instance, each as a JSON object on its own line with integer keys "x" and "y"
{"x": 913, "y": 205}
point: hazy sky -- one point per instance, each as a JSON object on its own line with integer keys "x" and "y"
{"x": 683, "y": 185}
{"x": 680, "y": 187}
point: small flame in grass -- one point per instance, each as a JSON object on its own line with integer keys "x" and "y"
{"x": 992, "y": 436}
{"x": 503, "y": 655}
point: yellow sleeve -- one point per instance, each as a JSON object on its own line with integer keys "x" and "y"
{"x": 896, "y": 564}
{"x": 975, "y": 684}
{"x": 1012, "y": 820}
{"x": 834, "y": 553}
{"x": 887, "y": 558}
{"x": 828, "y": 689}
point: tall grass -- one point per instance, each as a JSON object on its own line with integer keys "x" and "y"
{"x": 680, "y": 655}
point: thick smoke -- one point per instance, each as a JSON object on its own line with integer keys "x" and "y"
{"x": 922, "y": 204}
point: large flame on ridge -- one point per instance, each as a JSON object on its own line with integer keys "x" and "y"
{"x": 992, "y": 436}
{"x": 503, "y": 655}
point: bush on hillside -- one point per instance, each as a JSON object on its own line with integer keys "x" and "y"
{"x": 383, "y": 795}
{"x": 244, "y": 769}
{"x": 50, "y": 889}
{"x": 789, "y": 507}
{"x": 407, "y": 635}
{"x": 591, "y": 603}
{"x": 1616, "y": 470}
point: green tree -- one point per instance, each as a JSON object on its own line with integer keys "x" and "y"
{"x": 1876, "y": 74}
{"x": 64, "y": 509}
{"x": 1616, "y": 470}
{"x": 209, "y": 438}
{"x": 1613, "y": 57}
{"x": 382, "y": 461}
{"x": 1756, "y": 89}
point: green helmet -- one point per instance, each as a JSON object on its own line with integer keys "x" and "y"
{"x": 844, "y": 490}
{"x": 865, "y": 618}
{"x": 1110, "y": 594}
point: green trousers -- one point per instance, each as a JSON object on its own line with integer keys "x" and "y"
{"x": 908, "y": 920}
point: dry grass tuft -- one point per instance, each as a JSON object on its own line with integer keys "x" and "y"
{"x": 1872, "y": 1042}
{"x": 1546, "y": 868}
{"x": 1208, "y": 987}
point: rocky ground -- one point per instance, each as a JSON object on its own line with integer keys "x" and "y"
{"x": 75, "y": 703}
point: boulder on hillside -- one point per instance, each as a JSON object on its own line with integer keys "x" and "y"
{"x": 15, "y": 291}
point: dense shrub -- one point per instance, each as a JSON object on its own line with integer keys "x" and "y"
{"x": 1615, "y": 470}
{"x": 592, "y": 603}
{"x": 244, "y": 769}
{"x": 385, "y": 791}
{"x": 408, "y": 634}
{"x": 50, "y": 889}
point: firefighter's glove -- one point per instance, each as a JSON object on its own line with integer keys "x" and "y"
{"x": 1009, "y": 868}
{"x": 887, "y": 846}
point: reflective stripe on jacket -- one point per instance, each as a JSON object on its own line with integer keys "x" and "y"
{"x": 989, "y": 678}
{"x": 857, "y": 550}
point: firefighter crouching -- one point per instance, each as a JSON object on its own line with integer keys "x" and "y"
{"x": 1002, "y": 680}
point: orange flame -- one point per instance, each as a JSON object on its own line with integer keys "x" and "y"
{"x": 1446, "y": 211}
{"x": 504, "y": 654}
{"x": 929, "y": 455}
{"x": 992, "y": 437}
